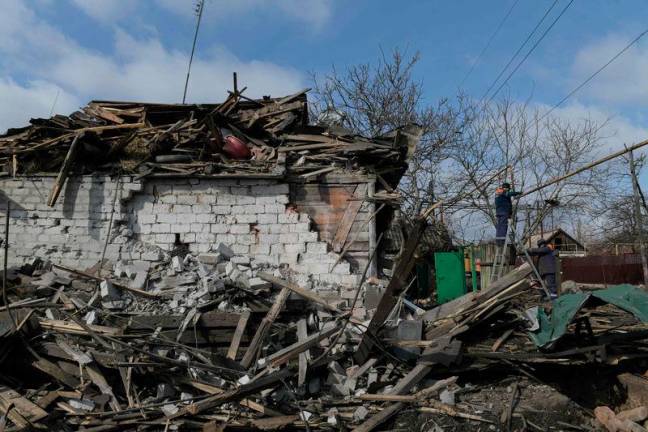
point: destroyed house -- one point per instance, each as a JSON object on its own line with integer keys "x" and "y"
{"x": 141, "y": 182}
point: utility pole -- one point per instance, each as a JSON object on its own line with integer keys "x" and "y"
{"x": 638, "y": 218}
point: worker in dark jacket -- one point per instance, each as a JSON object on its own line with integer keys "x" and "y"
{"x": 503, "y": 211}
{"x": 546, "y": 264}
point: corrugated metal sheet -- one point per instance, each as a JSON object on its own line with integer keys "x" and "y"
{"x": 603, "y": 269}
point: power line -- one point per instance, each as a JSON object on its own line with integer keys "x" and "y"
{"x": 200, "y": 7}
{"x": 529, "y": 36}
{"x": 490, "y": 40}
{"x": 535, "y": 45}
{"x": 592, "y": 76}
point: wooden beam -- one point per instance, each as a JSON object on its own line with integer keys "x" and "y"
{"x": 303, "y": 292}
{"x": 238, "y": 335}
{"x": 350, "y": 214}
{"x": 302, "y": 336}
{"x": 264, "y": 327}
{"x": 292, "y": 351}
{"x": 98, "y": 279}
{"x": 396, "y": 286}
{"x": 65, "y": 169}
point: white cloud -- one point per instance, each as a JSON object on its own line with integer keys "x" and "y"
{"x": 313, "y": 12}
{"x": 616, "y": 130}
{"x": 35, "y": 99}
{"x": 138, "y": 69}
{"x": 106, "y": 11}
{"x": 624, "y": 81}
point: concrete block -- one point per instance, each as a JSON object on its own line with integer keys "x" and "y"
{"x": 372, "y": 296}
{"x": 239, "y": 229}
{"x": 176, "y": 264}
{"x": 288, "y": 238}
{"x": 225, "y": 251}
{"x": 274, "y": 208}
{"x": 288, "y": 217}
{"x": 108, "y": 291}
{"x": 140, "y": 280}
{"x": 219, "y": 228}
{"x": 222, "y": 209}
{"x": 258, "y": 283}
{"x": 267, "y": 218}
{"x": 210, "y": 258}
{"x": 317, "y": 247}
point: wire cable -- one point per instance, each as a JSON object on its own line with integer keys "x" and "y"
{"x": 535, "y": 45}
{"x": 598, "y": 71}
{"x": 490, "y": 40}
{"x": 528, "y": 38}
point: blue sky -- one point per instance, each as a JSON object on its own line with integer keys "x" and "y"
{"x": 77, "y": 50}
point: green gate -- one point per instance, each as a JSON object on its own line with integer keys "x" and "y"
{"x": 450, "y": 273}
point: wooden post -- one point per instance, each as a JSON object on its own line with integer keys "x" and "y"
{"x": 638, "y": 218}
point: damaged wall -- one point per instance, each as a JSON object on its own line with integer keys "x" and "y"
{"x": 254, "y": 217}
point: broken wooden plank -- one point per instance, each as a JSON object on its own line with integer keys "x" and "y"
{"x": 302, "y": 335}
{"x": 238, "y": 335}
{"x": 264, "y": 327}
{"x": 98, "y": 279}
{"x": 349, "y": 216}
{"x": 396, "y": 286}
{"x": 61, "y": 326}
{"x": 19, "y": 409}
{"x": 292, "y": 351}
{"x": 65, "y": 169}
{"x": 303, "y": 292}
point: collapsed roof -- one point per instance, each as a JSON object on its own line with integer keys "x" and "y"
{"x": 241, "y": 136}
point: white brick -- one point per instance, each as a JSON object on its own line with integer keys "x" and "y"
{"x": 180, "y": 228}
{"x": 246, "y": 218}
{"x": 289, "y": 238}
{"x": 205, "y": 218}
{"x": 268, "y": 239}
{"x": 219, "y": 228}
{"x": 264, "y": 200}
{"x": 239, "y": 229}
{"x": 295, "y": 248}
{"x": 301, "y": 227}
{"x": 260, "y": 249}
{"x": 186, "y": 199}
{"x": 240, "y": 249}
{"x": 308, "y": 237}
{"x": 181, "y": 209}
{"x": 201, "y": 208}
{"x": 226, "y": 199}
{"x": 253, "y": 209}
{"x": 161, "y": 228}
{"x": 288, "y": 218}
{"x": 221, "y": 209}
{"x": 147, "y": 219}
{"x": 274, "y": 208}
{"x": 276, "y": 249}
{"x": 317, "y": 248}
{"x": 268, "y": 218}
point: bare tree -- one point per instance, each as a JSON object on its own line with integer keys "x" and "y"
{"x": 465, "y": 141}
{"x": 377, "y": 98}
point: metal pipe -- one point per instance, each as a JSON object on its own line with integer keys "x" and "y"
{"x": 585, "y": 168}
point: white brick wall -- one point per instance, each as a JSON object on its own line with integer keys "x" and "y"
{"x": 248, "y": 215}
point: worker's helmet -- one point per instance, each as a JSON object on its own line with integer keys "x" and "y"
{"x": 541, "y": 242}
{"x": 506, "y": 185}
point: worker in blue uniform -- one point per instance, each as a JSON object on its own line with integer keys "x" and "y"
{"x": 546, "y": 264}
{"x": 503, "y": 211}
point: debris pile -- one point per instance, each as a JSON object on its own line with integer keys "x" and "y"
{"x": 208, "y": 343}
{"x": 240, "y": 136}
